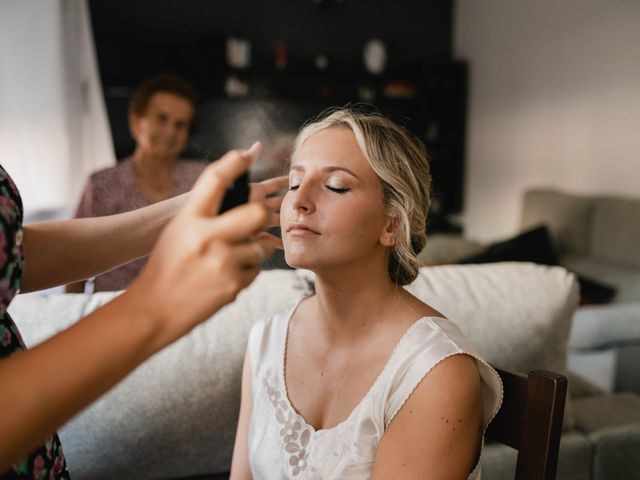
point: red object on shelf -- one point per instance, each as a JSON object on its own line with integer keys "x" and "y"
{"x": 399, "y": 89}
{"x": 281, "y": 56}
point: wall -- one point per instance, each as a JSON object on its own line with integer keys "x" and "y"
{"x": 554, "y": 102}
{"x": 53, "y": 125}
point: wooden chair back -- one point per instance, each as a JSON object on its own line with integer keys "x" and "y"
{"x": 530, "y": 420}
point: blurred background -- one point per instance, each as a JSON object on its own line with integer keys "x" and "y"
{"x": 507, "y": 96}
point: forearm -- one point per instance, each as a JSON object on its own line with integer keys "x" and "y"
{"x": 43, "y": 387}
{"x": 61, "y": 252}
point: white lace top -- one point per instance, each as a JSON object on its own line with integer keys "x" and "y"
{"x": 282, "y": 445}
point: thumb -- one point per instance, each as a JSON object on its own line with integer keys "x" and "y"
{"x": 208, "y": 191}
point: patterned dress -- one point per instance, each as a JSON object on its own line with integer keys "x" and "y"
{"x": 47, "y": 462}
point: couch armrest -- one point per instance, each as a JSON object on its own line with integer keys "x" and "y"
{"x": 444, "y": 249}
{"x": 603, "y": 326}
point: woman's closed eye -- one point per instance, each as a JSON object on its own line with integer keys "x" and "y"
{"x": 333, "y": 189}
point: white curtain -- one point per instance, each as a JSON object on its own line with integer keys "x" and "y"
{"x": 53, "y": 124}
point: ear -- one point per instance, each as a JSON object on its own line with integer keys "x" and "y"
{"x": 388, "y": 235}
{"x": 134, "y": 125}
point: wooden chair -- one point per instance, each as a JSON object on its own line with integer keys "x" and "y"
{"x": 530, "y": 420}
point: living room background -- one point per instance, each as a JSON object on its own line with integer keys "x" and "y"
{"x": 554, "y": 102}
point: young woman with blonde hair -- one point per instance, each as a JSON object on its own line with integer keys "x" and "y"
{"x": 361, "y": 380}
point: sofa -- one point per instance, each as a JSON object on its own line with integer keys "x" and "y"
{"x": 598, "y": 237}
{"x": 175, "y": 415}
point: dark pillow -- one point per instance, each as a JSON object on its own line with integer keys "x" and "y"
{"x": 593, "y": 292}
{"x": 531, "y": 246}
{"x": 536, "y": 246}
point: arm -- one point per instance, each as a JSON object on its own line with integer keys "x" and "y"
{"x": 60, "y": 252}
{"x": 199, "y": 263}
{"x": 84, "y": 209}
{"x": 437, "y": 432}
{"x": 240, "y": 463}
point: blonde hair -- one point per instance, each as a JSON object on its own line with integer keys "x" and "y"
{"x": 401, "y": 162}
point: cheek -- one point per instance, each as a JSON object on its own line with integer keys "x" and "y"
{"x": 361, "y": 216}
{"x": 285, "y": 210}
{"x": 182, "y": 134}
{"x": 148, "y": 129}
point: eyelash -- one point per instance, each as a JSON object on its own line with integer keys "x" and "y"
{"x": 333, "y": 189}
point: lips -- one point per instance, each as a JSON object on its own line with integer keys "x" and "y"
{"x": 301, "y": 229}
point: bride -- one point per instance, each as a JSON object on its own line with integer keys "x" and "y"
{"x": 361, "y": 380}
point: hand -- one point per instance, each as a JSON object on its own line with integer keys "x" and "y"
{"x": 202, "y": 260}
{"x": 261, "y": 192}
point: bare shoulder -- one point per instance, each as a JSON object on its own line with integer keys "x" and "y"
{"x": 420, "y": 307}
{"x": 455, "y": 373}
{"x": 305, "y": 307}
{"x": 109, "y": 174}
{"x": 449, "y": 397}
{"x": 437, "y": 432}
{"x": 452, "y": 388}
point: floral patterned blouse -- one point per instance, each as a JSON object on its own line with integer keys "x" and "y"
{"x": 113, "y": 190}
{"x": 47, "y": 462}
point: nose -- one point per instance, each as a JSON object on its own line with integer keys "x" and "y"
{"x": 302, "y": 200}
{"x": 172, "y": 128}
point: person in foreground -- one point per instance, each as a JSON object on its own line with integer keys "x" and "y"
{"x": 199, "y": 262}
{"x": 361, "y": 380}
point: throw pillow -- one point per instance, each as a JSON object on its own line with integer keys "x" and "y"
{"x": 518, "y": 315}
{"x": 533, "y": 245}
{"x": 593, "y": 292}
{"x": 537, "y": 246}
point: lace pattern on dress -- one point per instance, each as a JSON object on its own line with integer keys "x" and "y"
{"x": 295, "y": 436}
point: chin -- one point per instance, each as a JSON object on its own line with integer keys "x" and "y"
{"x": 294, "y": 261}
{"x": 300, "y": 259}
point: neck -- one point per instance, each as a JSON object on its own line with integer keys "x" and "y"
{"x": 148, "y": 164}
{"x": 351, "y": 297}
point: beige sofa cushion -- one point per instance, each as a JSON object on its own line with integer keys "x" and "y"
{"x": 518, "y": 315}
{"x": 616, "y": 230}
{"x": 567, "y": 216}
{"x": 624, "y": 277}
{"x": 448, "y": 248}
{"x": 176, "y": 414}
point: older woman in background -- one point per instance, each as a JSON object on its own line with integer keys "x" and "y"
{"x": 161, "y": 112}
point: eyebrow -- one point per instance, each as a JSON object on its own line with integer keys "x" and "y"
{"x": 327, "y": 169}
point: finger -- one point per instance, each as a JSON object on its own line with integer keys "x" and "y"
{"x": 254, "y": 150}
{"x": 240, "y": 222}
{"x": 268, "y": 187}
{"x": 273, "y": 221}
{"x": 209, "y": 189}
{"x": 273, "y": 241}
{"x": 254, "y": 253}
{"x": 273, "y": 203}
{"x": 242, "y": 275}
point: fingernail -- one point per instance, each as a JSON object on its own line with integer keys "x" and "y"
{"x": 254, "y": 147}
